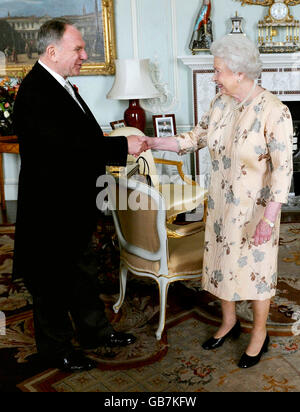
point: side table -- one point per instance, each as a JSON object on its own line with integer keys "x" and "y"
{"x": 8, "y": 144}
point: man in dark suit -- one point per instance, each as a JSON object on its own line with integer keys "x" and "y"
{"x": 63, "y": 151}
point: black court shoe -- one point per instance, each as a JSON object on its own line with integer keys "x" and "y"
{"x": 247, "y": 361}
{"x": 214, "y": 343}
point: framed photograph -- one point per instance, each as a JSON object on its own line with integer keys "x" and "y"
{"x": 164, "y": 125}
{"x": 117, "y": 124}
{"x": 20, "y": 21}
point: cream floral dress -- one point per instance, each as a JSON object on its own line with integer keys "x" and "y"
{"x": 251, "y": 153}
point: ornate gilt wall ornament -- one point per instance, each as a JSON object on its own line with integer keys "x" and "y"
{"x": 278, "y": 32}
{"x": 269, "y": 2}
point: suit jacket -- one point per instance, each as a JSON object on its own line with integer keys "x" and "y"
{"x": 63, "y": 151}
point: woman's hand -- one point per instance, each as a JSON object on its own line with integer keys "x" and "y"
{"x": 163, "y": 143}
{"x": 263, "y": 230}
{"x": 262, "y": 233}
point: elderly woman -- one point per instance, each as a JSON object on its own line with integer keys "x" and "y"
{"x": 249, "y": 135}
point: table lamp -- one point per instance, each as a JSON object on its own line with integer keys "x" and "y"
{"x": 133, "y": 82}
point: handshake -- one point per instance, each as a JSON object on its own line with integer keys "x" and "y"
{"x": 139, "y": 144}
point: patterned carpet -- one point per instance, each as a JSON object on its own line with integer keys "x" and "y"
{"x": 177, "y": 363}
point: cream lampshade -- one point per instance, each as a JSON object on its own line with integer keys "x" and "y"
{"x": 133, "y": 82}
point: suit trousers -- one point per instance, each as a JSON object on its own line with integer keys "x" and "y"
{"x": 69, "y": 307}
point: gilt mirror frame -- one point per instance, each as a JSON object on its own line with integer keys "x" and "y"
{"x": 104, "y": 65}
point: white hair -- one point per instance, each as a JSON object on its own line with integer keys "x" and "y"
{"x": 239, "y": 54}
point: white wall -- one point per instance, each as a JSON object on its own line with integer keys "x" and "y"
{"x": 159, "y": 30}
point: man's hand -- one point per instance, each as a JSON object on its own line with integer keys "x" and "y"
{"x": 137, "y": 145}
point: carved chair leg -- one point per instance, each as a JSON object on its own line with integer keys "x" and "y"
{"x": 163, "y": 293}
{"x": 123, "y": 280}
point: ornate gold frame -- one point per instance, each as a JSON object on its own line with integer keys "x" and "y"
{"x": 107, "y": 67}
{"x": 89, "y": 69}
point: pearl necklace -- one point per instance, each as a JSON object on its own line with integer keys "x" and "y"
{"x": 237, "y": 106}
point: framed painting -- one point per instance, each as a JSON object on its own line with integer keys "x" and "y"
{"x": 20, "y": 21}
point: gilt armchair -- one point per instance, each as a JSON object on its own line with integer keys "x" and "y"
{"x": 145, "y": 248}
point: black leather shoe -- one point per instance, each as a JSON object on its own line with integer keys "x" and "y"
{"x": 111, "y": 340}
{"x": 74, "y": 361}
{"x": 247, "y": 361}
{"x": 119, "y": 339}
{"x": 213, "y": 343}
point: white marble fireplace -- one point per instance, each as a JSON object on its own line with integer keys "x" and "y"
{"x": 280, "y": 75}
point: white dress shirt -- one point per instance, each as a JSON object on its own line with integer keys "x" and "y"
{"x": 65, "y": 83}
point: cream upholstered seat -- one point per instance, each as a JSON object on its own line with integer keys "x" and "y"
{"x": 145, "y": 249}
{"x": 179, "y": 198}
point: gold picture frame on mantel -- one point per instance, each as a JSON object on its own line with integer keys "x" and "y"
{"x": 18, "y": 33}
